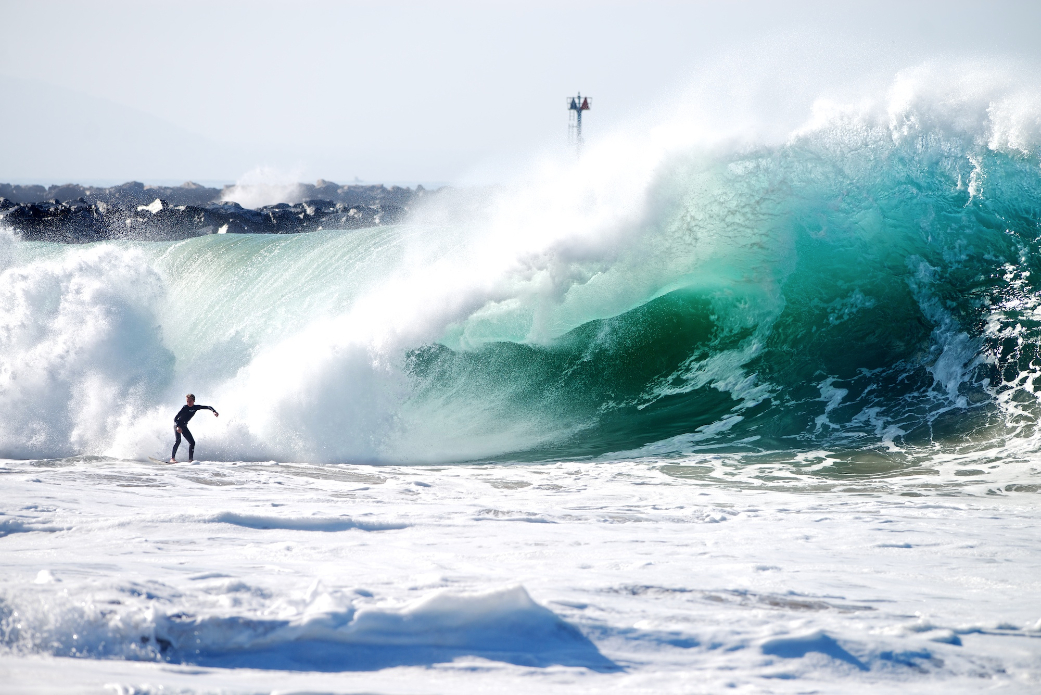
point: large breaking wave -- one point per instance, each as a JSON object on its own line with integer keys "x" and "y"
{"x": 868, "y": 284}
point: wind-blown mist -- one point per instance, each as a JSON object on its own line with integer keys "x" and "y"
{"x": 265, "y": 186}
{"x": 867, "y": 283}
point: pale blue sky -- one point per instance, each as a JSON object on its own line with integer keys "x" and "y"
{"x": 420, "y": 91}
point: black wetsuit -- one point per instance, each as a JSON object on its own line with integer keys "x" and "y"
{"x": 181, "y": 420}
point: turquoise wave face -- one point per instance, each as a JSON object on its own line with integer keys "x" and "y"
{"x": 878, "y": 298}
{"x": 866, "y": 289}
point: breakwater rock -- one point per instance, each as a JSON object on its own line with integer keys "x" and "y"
{"x": 136, "y": 211}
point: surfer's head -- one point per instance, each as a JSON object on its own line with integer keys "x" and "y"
{"x": 191, "y": 398}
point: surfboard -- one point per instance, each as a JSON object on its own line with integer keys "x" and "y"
{"x": 155, "y": 460}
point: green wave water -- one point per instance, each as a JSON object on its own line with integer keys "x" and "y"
{"x": 883, "y": 298}
{"x": 862, "y": 294}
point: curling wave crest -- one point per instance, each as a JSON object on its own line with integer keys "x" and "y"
{"x": 865, "y": 287}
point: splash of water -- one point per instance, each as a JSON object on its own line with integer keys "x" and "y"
{"x": 865, "y": 285}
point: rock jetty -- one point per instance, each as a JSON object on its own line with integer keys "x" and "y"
{"x": 80, "y": 214}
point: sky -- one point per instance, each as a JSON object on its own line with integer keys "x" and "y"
{"x": 432, "y": 92}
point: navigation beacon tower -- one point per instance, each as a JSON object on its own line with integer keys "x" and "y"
{"x": 576, "y": 105}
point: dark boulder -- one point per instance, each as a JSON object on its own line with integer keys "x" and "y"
{"x": 136, "y": 211}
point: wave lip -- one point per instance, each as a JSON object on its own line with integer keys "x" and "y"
{"x": 868, "y": 284}
{"x": 503, "y": 625}
{"x": 329, "y": 635}
{"x": 10, "y": 525}
{"x": 265, "y": 523}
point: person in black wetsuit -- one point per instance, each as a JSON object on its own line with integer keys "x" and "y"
{"x": 181, "y": 426}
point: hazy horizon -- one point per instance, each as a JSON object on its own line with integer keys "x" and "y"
{"x": 407, "y": 93}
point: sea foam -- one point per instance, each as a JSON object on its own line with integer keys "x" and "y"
{"x": 661, "y": 294}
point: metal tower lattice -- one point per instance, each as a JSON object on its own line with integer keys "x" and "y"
{"x": 576, "y": 105}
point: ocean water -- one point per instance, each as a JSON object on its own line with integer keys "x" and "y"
{"x": 695, "y": 412}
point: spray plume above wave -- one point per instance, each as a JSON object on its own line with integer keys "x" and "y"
{"x": 865, "y": 284}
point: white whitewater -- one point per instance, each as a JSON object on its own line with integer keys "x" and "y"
{"x": 561, "y": 577}
{"x": 706, "y": 411}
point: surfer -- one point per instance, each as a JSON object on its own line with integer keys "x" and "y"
{"x": 181, "y": 426}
